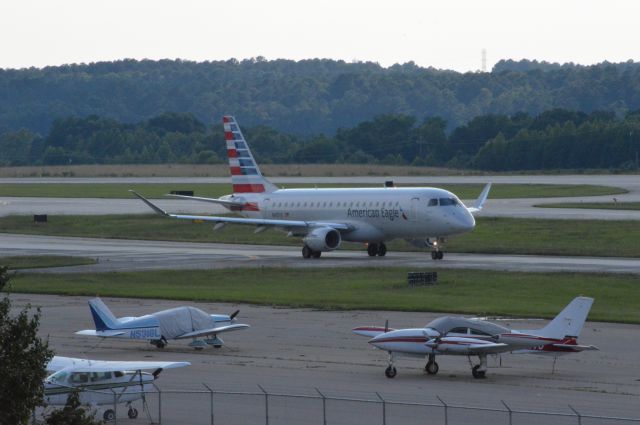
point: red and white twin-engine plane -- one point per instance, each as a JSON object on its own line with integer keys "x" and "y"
{"x": 476, "y": 337}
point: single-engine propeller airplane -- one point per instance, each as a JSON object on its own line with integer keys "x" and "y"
{"x": 425, "y": 216}
{"x": 101, "y": 382}
{"x": 176, "y": 323}
{"x": 475, "y": 337}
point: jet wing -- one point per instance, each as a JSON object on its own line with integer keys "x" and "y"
{"x": 213, "y": 331}
{"x": 224, "y": 202}
{"x": 252, "y": 221}
{"x": 479, "y": 203}
{"x": 103, "y": 334}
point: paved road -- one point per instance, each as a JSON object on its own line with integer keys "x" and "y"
{"x": 297, "y": 350}
{"x": 121, "y": 255}
{"x": 495, "y": 207}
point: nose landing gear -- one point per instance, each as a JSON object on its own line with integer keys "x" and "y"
{"x": 390, "y": 371}
{"x": 437, "y": 255}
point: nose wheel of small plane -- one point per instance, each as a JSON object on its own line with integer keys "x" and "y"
{"x": 109, "y": 415}
{"x": 437, "y": 255}
{"x": 390, "y": 372}
{"x": 432, "y": 368}
{"x": 132, "y": 413}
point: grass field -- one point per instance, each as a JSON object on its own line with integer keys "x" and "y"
{"x": 152, "y": 190}
{"x": 491, "y": 235}
{"x": 595, "y": 205}
{"x": 457, "y": 291}
{"x": 38, "y": 261}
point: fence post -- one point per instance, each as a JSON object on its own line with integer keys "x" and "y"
{"x": 510, "y": 412}
{"x": 577, "y": 414}
{"x": 159, "y": 405}
{"x": 324, "y": 407}
{"x": 211, "y": 401}
{"x": 384, "y": 409}
{"x": 115, "y": 407}
{"x": 266, "y": 404}
{"x": 446, "y": 411}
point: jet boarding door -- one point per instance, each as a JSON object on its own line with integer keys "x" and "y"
{"x": 415, "y": 209}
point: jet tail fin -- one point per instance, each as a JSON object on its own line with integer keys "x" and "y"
{"x": 569, "y": 322}
{"x": 246, "y": 176}
{"x": 479, "y": 203}
{"x": 102, "y": 316}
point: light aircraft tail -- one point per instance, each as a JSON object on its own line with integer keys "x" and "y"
{"x": 245, "y": 173}
{"x": 569, "y": 322}
{"x": 102, "y": 316}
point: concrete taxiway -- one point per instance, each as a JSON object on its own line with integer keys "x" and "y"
{"x": 126, "y": 255}
{"x": 295, "y": 351}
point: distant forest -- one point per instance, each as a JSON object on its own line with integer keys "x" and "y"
{"x": 554, "y": 139}
{"x": 308, "y": 97}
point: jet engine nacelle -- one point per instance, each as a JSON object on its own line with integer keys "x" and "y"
{"x": 323, "y": 239}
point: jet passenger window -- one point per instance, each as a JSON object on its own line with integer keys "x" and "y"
{"x": 433, "y": 202}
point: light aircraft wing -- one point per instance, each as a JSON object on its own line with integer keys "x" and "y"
{"x": 574, "y": 347}
{"x": 479, "y": 203}
{"x": 488, "y": 348}
{"x": 85, "y": 365}
{"x": 371, "y": 331}
{"x": 103, "y": 334}
{"x": 287, "y": 224}
{"x": 213, "y": 331}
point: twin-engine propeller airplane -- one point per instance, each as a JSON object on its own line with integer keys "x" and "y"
{"x": 100, "y": 382}
{"x": 425, "y": 216}
{"x": 176, "y": 323}
{"x": 475, "y": 337}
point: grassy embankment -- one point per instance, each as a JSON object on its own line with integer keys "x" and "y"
{"x": 460, "y": 291}
{"x": 491, "y": 235}
{"x": 153, "y": 190}
{"x": 38, "y": 261}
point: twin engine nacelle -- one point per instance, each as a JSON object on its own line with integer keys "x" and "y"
{"x": 323, "y": 239}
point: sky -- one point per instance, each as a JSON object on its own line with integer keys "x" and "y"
{"x": 445, "y": 34}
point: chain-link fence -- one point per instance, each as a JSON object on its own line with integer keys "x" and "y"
{"x": 208, "y": 406}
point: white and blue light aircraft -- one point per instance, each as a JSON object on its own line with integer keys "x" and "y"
{"x": 425, "y": 216}
{"x": 102, "y": 382}
{"x": 176, "y": 323}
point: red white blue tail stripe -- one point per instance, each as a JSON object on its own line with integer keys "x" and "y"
{"x": 245, "y": 173}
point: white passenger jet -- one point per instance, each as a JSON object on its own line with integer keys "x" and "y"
{"x": 475, "y": 337}
{"x": 102, "y": 382}
{"x": 425, "y": 216}
{"x": 176, "y": 323}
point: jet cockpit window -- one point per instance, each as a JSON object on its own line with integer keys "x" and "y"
{"x": 433, "y": 202}
{"x": 444, "y": 202}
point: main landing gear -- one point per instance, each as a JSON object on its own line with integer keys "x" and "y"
{"x": 159, "y": 343}
{"x": 478, "y": 371}
{"x": 437, "y": 255}
{"x": 379, "y": 249}
{"x": 431, "y": 367}
{"x": 309, "y": 253}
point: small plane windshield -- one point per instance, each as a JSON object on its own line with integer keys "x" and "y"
{"x": 58, "y": 377}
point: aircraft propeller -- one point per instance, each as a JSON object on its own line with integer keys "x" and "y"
{"x": 234, "y": 314}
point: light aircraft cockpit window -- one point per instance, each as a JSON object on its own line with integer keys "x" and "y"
{"x": 100, "y": 376}
{"x": 118, "y": 374}
{"x": 79, "y": 378}
{"x": 444, "y": 202}
{"x": 433, "y": 202}
{"x": 477, "y": 332}
{"x": 458, "y": 331}
{"x": 58, "y": 377}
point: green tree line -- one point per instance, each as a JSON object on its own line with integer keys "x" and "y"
{"x": 309, "y": 96}
{"x": 554, "y": 139}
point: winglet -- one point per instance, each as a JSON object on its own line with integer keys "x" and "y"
{"x": 479, "y": 203}
{"x": 151, "y": 205}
